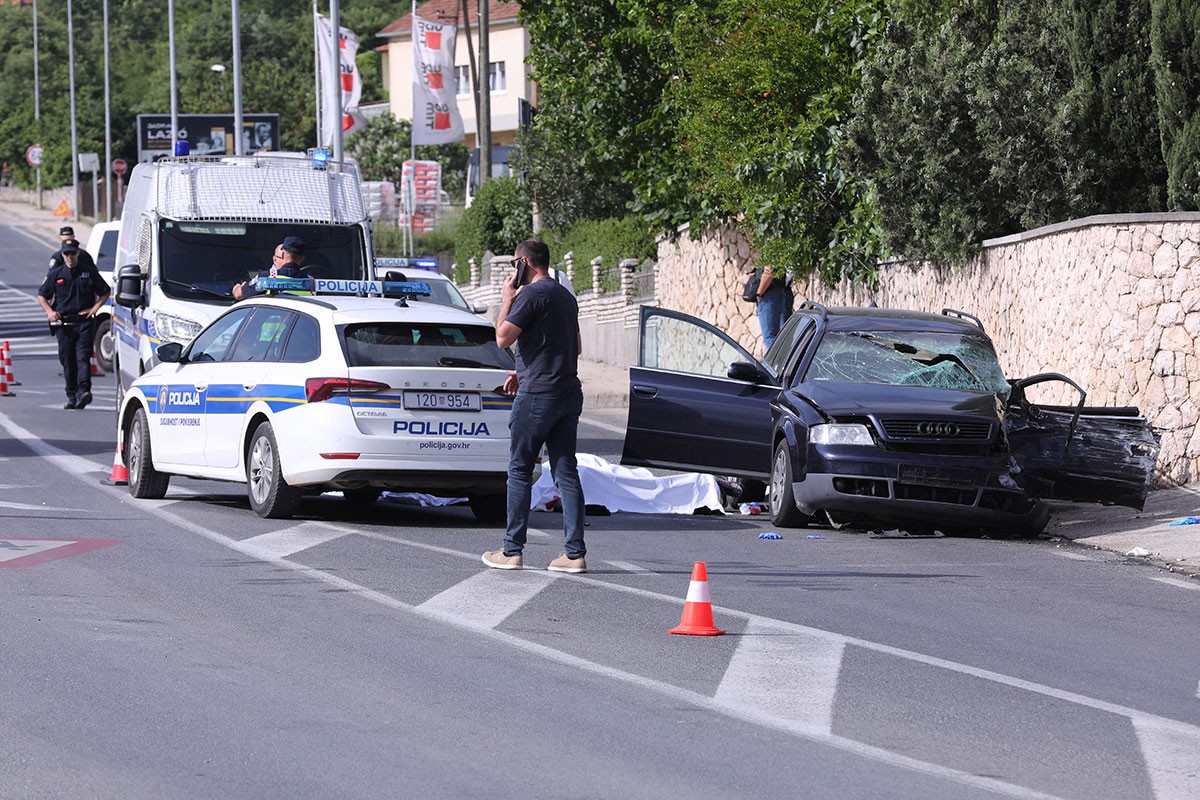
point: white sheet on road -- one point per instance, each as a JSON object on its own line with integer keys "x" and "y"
{"x": 636, "y": 490}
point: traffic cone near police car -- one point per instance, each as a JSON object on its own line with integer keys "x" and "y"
{"x": 7, "y": 356}
{"x": 697, "y": 619}
{"x": 119, "y": 475}
{"x": 95, "y": 366}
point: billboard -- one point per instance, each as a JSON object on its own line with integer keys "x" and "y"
{"x": 206, "y": 134}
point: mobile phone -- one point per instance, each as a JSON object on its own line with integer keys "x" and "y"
{"x": 519, "y": 280}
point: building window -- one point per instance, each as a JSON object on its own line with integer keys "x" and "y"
{"x": 462, "y": 81}
{"x": 496, "y": 79}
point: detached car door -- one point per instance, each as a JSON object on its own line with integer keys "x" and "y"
{"x": 1080, "y": 453}
{"x": 685, "y": 412}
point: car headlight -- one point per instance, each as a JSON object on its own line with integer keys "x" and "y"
{"x": 836, "y": 433}
{"x": 171, "y": 328}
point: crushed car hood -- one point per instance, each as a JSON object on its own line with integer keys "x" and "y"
{"x": 868, "y": 399}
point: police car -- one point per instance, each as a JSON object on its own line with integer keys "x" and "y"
{"x": 322, "y": 385}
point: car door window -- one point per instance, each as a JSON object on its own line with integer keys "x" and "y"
{"x": 213, "y": 344}
{"x": 304, "y": 343}
{"x": 263, "y": 336}
{"x": 681, "y": 344}
{"x": 780, "y": 354}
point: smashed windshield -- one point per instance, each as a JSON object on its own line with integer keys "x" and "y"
{"x": 909, "y": 358}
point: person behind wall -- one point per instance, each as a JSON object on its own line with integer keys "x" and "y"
{"x": 71, "y": 295}
{"x": 773, "y": 305}
{"x": 285, "y": 263}
{"x": 541, "y": 317}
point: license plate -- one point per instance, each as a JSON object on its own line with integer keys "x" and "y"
{"x": 938, "y": 476}
{"x": 442, "y": 401}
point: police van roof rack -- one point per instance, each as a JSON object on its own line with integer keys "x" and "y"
{"x": 815, "y": 306}
{"x": 950, "y": 312}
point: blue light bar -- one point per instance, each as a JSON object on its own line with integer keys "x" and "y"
{"x": 407, "y": 263}
{"x": 320, "y": 157}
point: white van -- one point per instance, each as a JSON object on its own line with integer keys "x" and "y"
{"x": 102, "y": 246}
{"x": 192, "y": 227}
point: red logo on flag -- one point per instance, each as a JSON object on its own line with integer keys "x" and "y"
{"x": 441, "y": 121}
{"x": 347, "y": 81}
{"x": 435, "y": 80}
{"x": 433, "y": 40}
{"x": 347, "y": 122}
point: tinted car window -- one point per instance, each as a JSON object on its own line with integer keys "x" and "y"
{"x": 909, "y": 358}
{"x": 213, "y": 343}
{"x": 781, "y": 349}
{"x": 263, "y": 337}
{"x": 106, "y": 259}
{"x": 682, "y": 346}
{"x": 398, "y": 344}
{"x": 305, "y": 342}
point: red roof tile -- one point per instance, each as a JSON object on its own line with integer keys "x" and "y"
{"x": 451, "y": 10}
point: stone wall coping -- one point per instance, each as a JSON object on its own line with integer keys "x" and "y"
{"x": 1092, "y": 221}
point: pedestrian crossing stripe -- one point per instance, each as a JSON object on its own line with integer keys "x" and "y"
{"x": 31, "y": 552}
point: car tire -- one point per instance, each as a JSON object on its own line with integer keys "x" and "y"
{"x": 270, "y": 496}
{"x": 489, "y": 507}
{"x": 145, "y": 482}
{"x": 783, "y": 500}
{"x": 104, "y": 346}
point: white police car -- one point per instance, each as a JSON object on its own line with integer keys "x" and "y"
{"x": 304, "y": 394}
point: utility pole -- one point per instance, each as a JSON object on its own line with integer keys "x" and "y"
{"x": 335, "y": 22}
{"x": 483, "y": 136}
{"x": 37, "y": 104}
{"x": 239, "y": 147}
{"x": 107, "y": 173}
{"x": 74, "y": 135}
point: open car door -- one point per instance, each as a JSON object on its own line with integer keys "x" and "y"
{"x": 1080, "y": 453}
{"x": 698, "y": 401}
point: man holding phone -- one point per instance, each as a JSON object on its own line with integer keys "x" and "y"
{"x": 541, "y": 317}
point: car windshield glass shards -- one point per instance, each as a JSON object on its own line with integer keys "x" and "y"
{"x": 909, "y": 358}
{"x": 399, "y": 344}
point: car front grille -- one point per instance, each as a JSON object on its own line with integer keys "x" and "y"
{"x": 937, "y": 430}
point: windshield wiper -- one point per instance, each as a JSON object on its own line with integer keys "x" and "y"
{"x": 449, "y": 361}
{"x": 191, "y": 287}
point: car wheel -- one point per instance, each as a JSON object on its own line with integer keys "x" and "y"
{"x": 783, "y": 501}
{"x": 104, "y": 345}
{"x": 489, "y": 507}
{"x": 145, "y": 482}
{"x": 270, "y": 496}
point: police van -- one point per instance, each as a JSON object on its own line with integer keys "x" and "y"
{"x": 193, "y": 227}
{"x": 346, "y": 386}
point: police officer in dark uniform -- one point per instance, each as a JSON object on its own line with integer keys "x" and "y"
{"x": 56, "y": 258}
{"x": 285, "y": 263}
{"x": 71, "y": 295}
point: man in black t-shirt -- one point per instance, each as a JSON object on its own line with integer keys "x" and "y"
{"x": 71, "y": 295}
{"x": 541, "y": 317}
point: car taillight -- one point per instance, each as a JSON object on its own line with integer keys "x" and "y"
{"x": 318, "y": 389}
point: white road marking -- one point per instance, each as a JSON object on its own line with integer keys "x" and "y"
{"x": 602, "y": 425}
{"x": 30, "y": 507}
{"x": 12, "y": 549}
{"x": 289, "y": 541}
{"x": 627, "y": 566}
{"x": 785, "y": 672}
{"x": 488, "y": 598}
{"x": 1172, "y": 758}
{"x": 1165, "y": 742}
{"x": 1179, "y": 582}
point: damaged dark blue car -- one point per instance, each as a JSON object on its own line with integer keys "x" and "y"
{"x": 879, "y": 418}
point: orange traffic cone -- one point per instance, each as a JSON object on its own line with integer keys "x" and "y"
{"x": 119, "y": 475}
{"x": 697, "y": 617}
{"x": 12, "y": 379}
{"x": 95, "y": 366}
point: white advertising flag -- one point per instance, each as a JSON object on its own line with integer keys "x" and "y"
{"x": 351, "y": 83}
{"x": 435, "y": 106}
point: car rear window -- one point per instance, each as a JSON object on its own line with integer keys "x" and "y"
{"x": 398, "y": 344}
{"x": 909, "y": 358}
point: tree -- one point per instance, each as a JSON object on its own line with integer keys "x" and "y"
{"x": 1175, "y": 47}
{"x": 383, "y": 145}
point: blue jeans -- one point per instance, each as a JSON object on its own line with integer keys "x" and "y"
{"x": 773, "y": 310}
{"x": 551, "y": 419}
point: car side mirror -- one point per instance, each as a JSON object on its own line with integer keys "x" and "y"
{"x": 169, "y": 353}
{"x": 130, "y": 287}
{"x": 480, "y": 308}
{"x": 746, "y": 371}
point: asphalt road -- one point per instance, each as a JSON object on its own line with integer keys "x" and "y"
{"x": 186, "y": 648}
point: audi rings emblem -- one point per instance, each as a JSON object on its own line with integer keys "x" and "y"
{"x": 938, "y": 428}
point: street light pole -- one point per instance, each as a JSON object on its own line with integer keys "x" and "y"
{"x": 174, "y": 91}
{"x": 335, "y": 119}
{"x": 239, "y": 147}
{"x": 107, "y": 128}
{"x": 37, "y": 104}
{"x": 74, "y": 136}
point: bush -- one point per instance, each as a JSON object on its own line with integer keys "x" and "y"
{"x": 498, "y": 220}
{"x": 611, "y": 239}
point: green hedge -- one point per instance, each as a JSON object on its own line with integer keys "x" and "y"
{"x": 612, "y": 239}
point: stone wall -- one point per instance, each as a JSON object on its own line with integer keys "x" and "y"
{"x": 1111, "y": 301}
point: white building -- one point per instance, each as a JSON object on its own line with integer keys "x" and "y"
{"x": 508, "y": 77}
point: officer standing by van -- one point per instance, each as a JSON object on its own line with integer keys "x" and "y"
{"x": 56, "y": 258}
{"x": 71, "y": 295}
